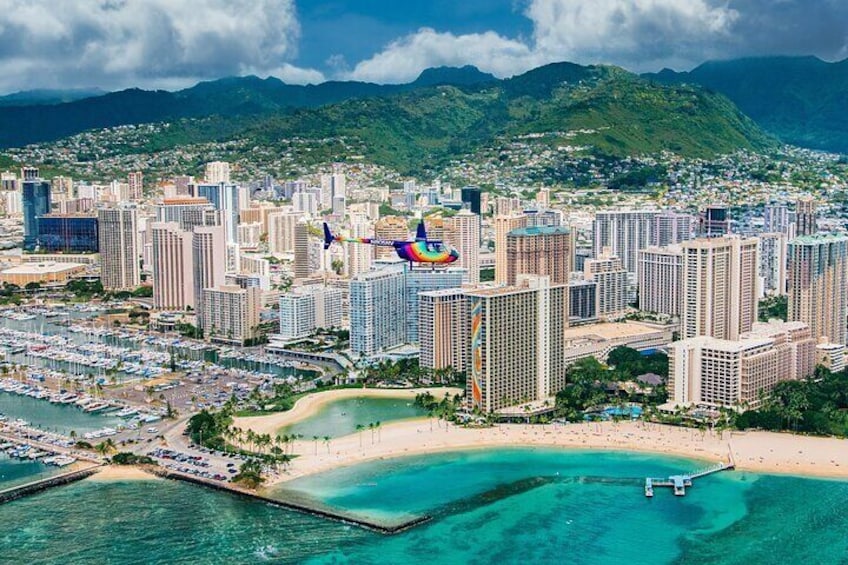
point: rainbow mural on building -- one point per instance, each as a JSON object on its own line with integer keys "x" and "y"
{"x": 477, "y": 351}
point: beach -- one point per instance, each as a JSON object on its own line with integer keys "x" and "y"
{"x": 122, "y": 473}
{"x": 760, "y": 452}
{"x": 310, "y": 404}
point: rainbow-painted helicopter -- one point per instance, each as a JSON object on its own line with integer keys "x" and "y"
{"x": 422, "y": 250}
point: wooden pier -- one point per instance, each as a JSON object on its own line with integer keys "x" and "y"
{"x": 680, "y": 482}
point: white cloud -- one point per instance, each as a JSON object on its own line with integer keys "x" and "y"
{"x": 639, "y": 34}
{"x": 118, "y": 43}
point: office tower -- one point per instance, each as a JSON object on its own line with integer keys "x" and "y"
{"x": 30, "y": 173}
{"x": 741, "y": 373}
{"x": 660, "y": 279}
{"x": 517, "y": 343}
{"x": 719, "y": 289}
{"x": 715, "y": 222}
{"x": 625, "y": 233}
{"x": 582, "y": 301}
{"x": 173, "y": 284}
{"x": 671, "y": 228}
{"x": 776, "y": 219}
{"x": 390, "y": 228}
{"x": 68, "y": 233}
{"x": 806, "y": 214}
{"x": 817, "y": 285}
{"x": 608, "y": 273}
{"x": 504, "y": 225}
{"x": 444, "y": 330}
{"x": 135, "y": 183}
{"x": 470, "y": 196}
{"x": 208, "y": 248}
{"x": 281, "y": 231}
{"x": 224, "y": 197}
{"x": 465, "y": 236}
{"x": 505, "y": 206}
{"x": 540, "y": 251}
{"x": 305, "y": 202}
{"x": 309, "y": 308}
{"x": 773, "y": 262}
{"x": 302, "y": 263}
{"x": 118, "y": 239}
{"x": 425, "y": 279}
{"x": 358, "y": 257}
{"x": 36, "y": 203}
{"x": 186, "y": 211}
{"x": 217, "y": 172}
{"x": 231, "y": 313}
{"x": 377, "y": 311}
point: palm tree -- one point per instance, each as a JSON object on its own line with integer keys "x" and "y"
{"x": 379, "y": 435}
{"x": 371, "y": 428}
{"x": 359, "y": 428}
{"x": 327, "y": 443}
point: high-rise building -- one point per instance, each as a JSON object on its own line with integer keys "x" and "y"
{"x": 308, "y": 308}
{"x": 773, "y": 262}
{"x": 390, "y": 228}
{"x": 715, "y": 222}
{"x": 118, "y": 239}
{"x": 217, "y": 172}
{"x": 306, "y": 202}
{"x": 377, "y": 311}
{"x": 517, "y": 343}
{"x": 806, "y": 214}
{"x": 776, "y": 219}
{"x": 357, "y": 256}
{"x": 671, "y": 228}
{"x": 540, "y": 250}
{"x": 660, "y": 276}
{"x": 465, "y": 236}
{"x": 135, "y": 183}
{"x": 608, "y": 273}
{"x": 818, "y": 285}
{"x": 424, "y": 279}
{"x": 719, "y": 288}
{"x": 444, "y": 329}
{"x": 67, "y": 233}
{"x": 173, "y": 284}
{"x": 719, "y": 372}
{"x": 470, "y": 196}
{"x": 503, "y": 225}
{"x": 231, "y": 313}
{"x": 281, "y": 227}
{"x": 208, "y": 262}
{"x": 36, "y": 203}
{"x": 302, "y": 263}
{"x": 582, "y": 301}
{"x": 188, "y": 212}
{"x": 625, "y": 233}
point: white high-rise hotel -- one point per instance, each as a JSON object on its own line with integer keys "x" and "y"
{"x": 173, "y": 283}
{"x": 465, "y": 236}
{"x": 720, "y": 289}
{"x": 119, "y": 249}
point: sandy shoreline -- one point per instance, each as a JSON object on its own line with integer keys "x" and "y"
{"x": 760, "y": 452}
{"x": 122, "y": 473}
{"x": 309, "y": 405}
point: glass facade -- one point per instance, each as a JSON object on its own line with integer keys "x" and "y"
{"x": 36, "y": 202}
{"x": 67, "y": 234}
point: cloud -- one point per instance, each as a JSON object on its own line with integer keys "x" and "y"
{"x": 640, "y": 35}
{"x": 118, "y": 43}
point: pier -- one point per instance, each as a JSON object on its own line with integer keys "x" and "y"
{"x": 302, "y": 507}
{"x": 680, "y": 482}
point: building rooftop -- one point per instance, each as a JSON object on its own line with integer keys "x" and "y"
{"x": 611, "y": 330}
{"x": 818, "y": 238}
{"x": 539, "y": 230}
{"x": 42, "y": 268}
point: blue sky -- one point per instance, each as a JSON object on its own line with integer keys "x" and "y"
{"x": 172, "y": 44}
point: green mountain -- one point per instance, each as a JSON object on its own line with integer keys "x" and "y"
{"x": 449, "y": 114}
{"x": 801, "y": 100}
{"x": 606, "y": 109}
{"x": 47, "y": 96}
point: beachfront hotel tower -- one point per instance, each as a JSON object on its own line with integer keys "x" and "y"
{"x": 444, "y": 327}
{"x": 660, "y": 273}
{"x": 118, "y": 240}
{"x": 173, "y": 282}
{"x": 624, "y": 233}
{"x": 517, "y": 343}
{"x": 540, "y": 250}
{"x": 231, "y": 313}
{"x": 720, "y": 287}
{"x": 818, "y": 293}
{"x": 378, "y": 310}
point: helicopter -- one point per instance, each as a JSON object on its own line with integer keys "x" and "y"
{"x": 421, "y": 250}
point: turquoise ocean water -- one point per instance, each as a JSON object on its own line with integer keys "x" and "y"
{"x": 340, "y": 417}
{"x": 504, "y": 506}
